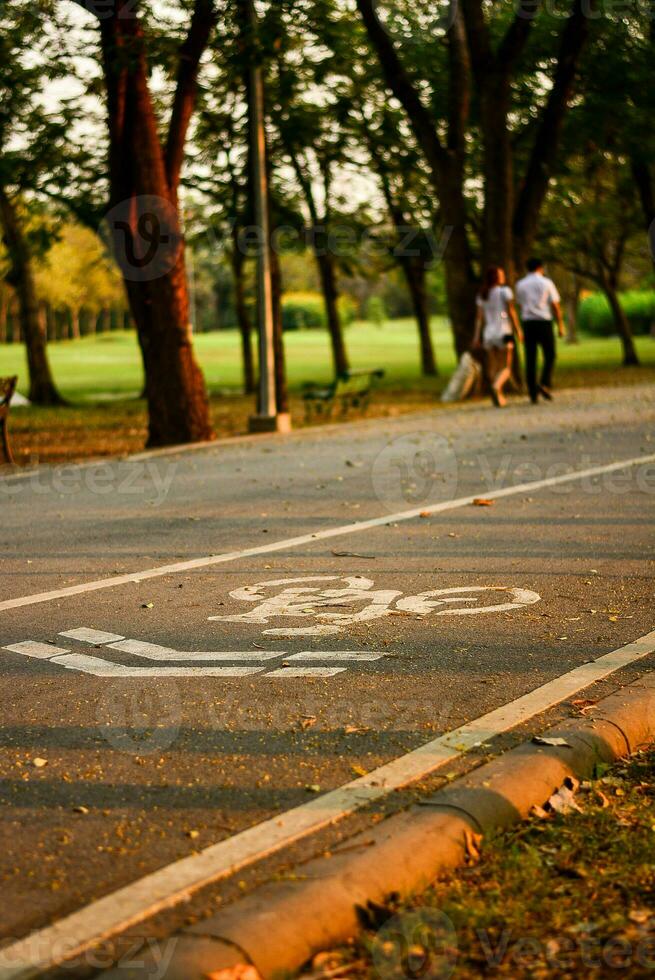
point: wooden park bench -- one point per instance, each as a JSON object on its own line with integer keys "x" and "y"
{"x": 7, "y": 389}
{"x": 351, "y": 391}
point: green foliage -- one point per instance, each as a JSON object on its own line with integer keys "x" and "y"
{"x": 303, "y": 311}
{"x": 376, "y": 312}
{"x": 306, "y": 311}
{"x": 595, "y": 316}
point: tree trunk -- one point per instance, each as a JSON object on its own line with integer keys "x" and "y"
{"x": 572, "y": 318}
{"x": 630, "y": 356}
{"x": 328, "y": 278}
{"x": 143, "y": 179}
{"x": 42, "y": 390}
{"x": 13, "y": 321}
{"x": 75, "y": 323}
{"x": 104, "y": 324}
{"x": 243, "y": 320}
{"x": 51, "y": 322}
{"x": 4, "y": 308}
{"x": 415, "y": 275}
{"x": 281, "y": 389}
{"x": 643, "y": 178}
{"x": 498, "y": 173}
{"x": 178, "y": 406}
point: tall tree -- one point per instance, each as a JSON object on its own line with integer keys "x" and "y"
{"x": 590, "y": 225}
{"x": 398, "y": 167}
{"x": 31, "y": 140}
{"x": 144, "y": 176}
{"x": 313, "y": 139}
{"x": 479, "y": 86}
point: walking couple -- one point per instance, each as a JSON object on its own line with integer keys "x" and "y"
{"x": 497, "y": 324}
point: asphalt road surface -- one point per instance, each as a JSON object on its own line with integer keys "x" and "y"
{"x": 147, "y": 716}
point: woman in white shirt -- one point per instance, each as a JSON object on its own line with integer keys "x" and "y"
{"x": 496, "y": 325}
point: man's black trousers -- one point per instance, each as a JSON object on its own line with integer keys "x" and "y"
{"x": 539, "y": 333}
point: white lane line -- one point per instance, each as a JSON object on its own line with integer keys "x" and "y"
{"x": 333, "y": 532}
{"x": 151, "y": 651}
{"x": 104, "y": 668}
{"x": 362, "y": 656}
{"x": 85, "y": 635}
{"x": 305, "y": 672}
{"x": 30, "y": 648}
{"x": 163, "y": 889}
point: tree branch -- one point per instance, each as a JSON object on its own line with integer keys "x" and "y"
{"x": 512, "y": 45}
{"x": 192, "y": 49}
{"x": 546, "y": 145}
{"x": 401, "y": 85}
{"x": 459, "y": 89}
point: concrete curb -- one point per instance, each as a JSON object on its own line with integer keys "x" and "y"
{"x": 281, "y": 925}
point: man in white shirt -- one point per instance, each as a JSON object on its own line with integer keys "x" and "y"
{"x": 540, "y": 302}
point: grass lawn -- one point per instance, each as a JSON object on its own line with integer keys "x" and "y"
{"x": 101, "y": 376}
{"x": 572, "y": 896}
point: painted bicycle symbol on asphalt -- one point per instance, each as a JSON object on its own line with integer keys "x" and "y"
{"x": 309, "y": 598}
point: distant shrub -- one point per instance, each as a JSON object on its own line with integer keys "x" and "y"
{"x": 348, "y": 309}
{"x": 376, "y": 311}
{"x": 306, "y": 311}
{"x": 303, "y": 311}
{"x": 595, "y": 315}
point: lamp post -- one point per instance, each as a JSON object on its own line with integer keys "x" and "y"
{"x": 267, "y": 419}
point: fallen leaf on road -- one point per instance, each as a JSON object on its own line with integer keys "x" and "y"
{"x": 80, "y": 809}
{"x": 359, "y": 771}
{"x": 472, "y": 843}
{"x": 583, "y": 705}
{"x": 313, "y": 789}
{"x": 353, "y": 729}
{"x": 640, "y": 916}
{"x": 425, "y": 514}
{"x": 482, "y": 502}
{"x": 307, "y": 721}
{"x": 193, "y": 834}
{"x": 147, "y": 605}
{"x": 557, "y": 742}
{"x": 39, "y": 763}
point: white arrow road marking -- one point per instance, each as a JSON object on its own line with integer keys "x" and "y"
{"x": 41, "y": 651}
{"x": 92, "y": 636}
{"x": 104, "y": 668}
{"x": 305, "y": 672}
{"x": 98, "y": 667}
{"x": 151, "y": 651}
{"x": 355, "y": 655}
